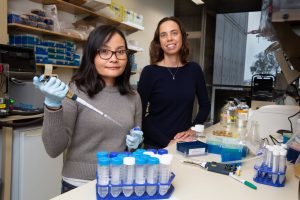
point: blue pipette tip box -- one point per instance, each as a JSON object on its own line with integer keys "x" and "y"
{"x": 193, "y": 148}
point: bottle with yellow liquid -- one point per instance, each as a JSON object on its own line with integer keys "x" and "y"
{"x": 228, "y": 113}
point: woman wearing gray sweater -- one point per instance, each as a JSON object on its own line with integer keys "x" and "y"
{"x": 102, "y": 80}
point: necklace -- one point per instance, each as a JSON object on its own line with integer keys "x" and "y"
{"x": 173, "y": 75}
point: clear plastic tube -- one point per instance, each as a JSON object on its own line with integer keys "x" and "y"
{"x": 103, "y": 176}
{"x": 164, "y": 173}
{"x": 116, "y": 175}
{"x": 152, "y": 175}
{"x": 282, "y": 164}
{"x": 129, "y": 165}
{"x": 275, "y": 165}
{"x": 140, "y": 172}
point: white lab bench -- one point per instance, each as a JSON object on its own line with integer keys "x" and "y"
{"x": 193, "y": 183}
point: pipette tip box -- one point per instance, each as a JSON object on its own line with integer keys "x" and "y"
{"x": 193, "y": 148}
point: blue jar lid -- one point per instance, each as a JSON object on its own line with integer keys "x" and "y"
{"x": 140, "y": 150}
{"x": 116, "y": 161}
{"x": 153, "y": 161}
{"x": 101, "y": 154}
{"x": 162, "y": 151}
{"x": 113, "y": 154}
{"x": 136, "y": 153}
{"x": 146, "y": 157}
{"x": 103, "y": 161}
{"x": 140, "y": 160}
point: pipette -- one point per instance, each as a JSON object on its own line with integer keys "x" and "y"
{"x": 71, "y": 95}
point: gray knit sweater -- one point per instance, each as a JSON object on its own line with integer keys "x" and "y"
{"x": 83, "y": 132}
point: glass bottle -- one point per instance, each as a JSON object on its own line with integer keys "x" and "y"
{"x": 242, "y": 111}
{"x": 228, "y": 115}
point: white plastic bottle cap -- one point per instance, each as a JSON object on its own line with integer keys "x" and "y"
{"x": 166, "y": 159}
{"x": 283, "y": 152}
{"x": 284, "y": 146}
{"x": 129, "y": 160}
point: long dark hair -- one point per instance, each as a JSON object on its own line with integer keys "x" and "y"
{"x": 87, "y": 78}
{"x": 156, "y": 52}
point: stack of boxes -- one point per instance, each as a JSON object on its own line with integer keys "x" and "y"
{"x": 36, "y": 18}
{"x": 48, "y": 51}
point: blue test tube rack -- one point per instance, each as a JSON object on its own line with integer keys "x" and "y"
{"x": 264, "y": 174}
{"x": 134, "y": 196}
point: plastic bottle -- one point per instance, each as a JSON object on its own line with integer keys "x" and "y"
{"x": 164, "y": 173}
{"x": 140, "y": 175}
{"x": 116, "y": 176}
{"x": 242, "y": 111}
{"x": 152, "y": 175}
{"x": 103, "y": 176}
{"x": 129, "y": 165}
{"x": 228, "y": 115}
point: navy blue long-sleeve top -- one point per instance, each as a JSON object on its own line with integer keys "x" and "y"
{"x": 168, "y": 104}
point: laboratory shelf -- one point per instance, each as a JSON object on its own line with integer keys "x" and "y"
{"x": 34, "y": 30}
{"x": 59, "y": 66}
{"x": 92, "y": 16}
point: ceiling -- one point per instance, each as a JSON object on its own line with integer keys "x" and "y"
{"x": 188, "y": 8}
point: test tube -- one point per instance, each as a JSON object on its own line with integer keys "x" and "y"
{"x": 140, "y": 175}
{"x": 275, "y": 165}
{"x": 164, "y": 173}
{"x": 116, "y": 175}
{"x": 129, "y": 165}
{"x": 282, "y": 164}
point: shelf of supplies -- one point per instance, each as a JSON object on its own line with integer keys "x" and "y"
{"x": 40, "y": 31}
{"x": 135, "y": 48}
{"x": 78, "y": 10}
{"x": 59, "y": 66}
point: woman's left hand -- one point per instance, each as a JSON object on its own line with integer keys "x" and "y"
{"x": 185, "y": 135}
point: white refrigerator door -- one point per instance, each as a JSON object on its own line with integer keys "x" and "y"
{"x": 35, "y": 175}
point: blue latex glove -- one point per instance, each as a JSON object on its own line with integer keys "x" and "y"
{"x": 134, "y": 138}
{"x": 54, "y": 90}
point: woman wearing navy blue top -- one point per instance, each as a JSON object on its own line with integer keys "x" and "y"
{"x": 168, "y": 88}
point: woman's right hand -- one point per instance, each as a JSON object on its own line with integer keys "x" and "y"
{"x": 54, "y": 90}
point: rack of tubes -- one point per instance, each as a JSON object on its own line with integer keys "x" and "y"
{"x": 108, "y": 188}
{"x": 264, "y": 175}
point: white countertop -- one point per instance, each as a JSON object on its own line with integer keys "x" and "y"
{"x": 193, "y": 183}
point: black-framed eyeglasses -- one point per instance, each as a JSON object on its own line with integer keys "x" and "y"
{"x": 107, "y": 54}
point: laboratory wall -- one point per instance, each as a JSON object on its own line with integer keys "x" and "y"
{"x": 153, "y": 11}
